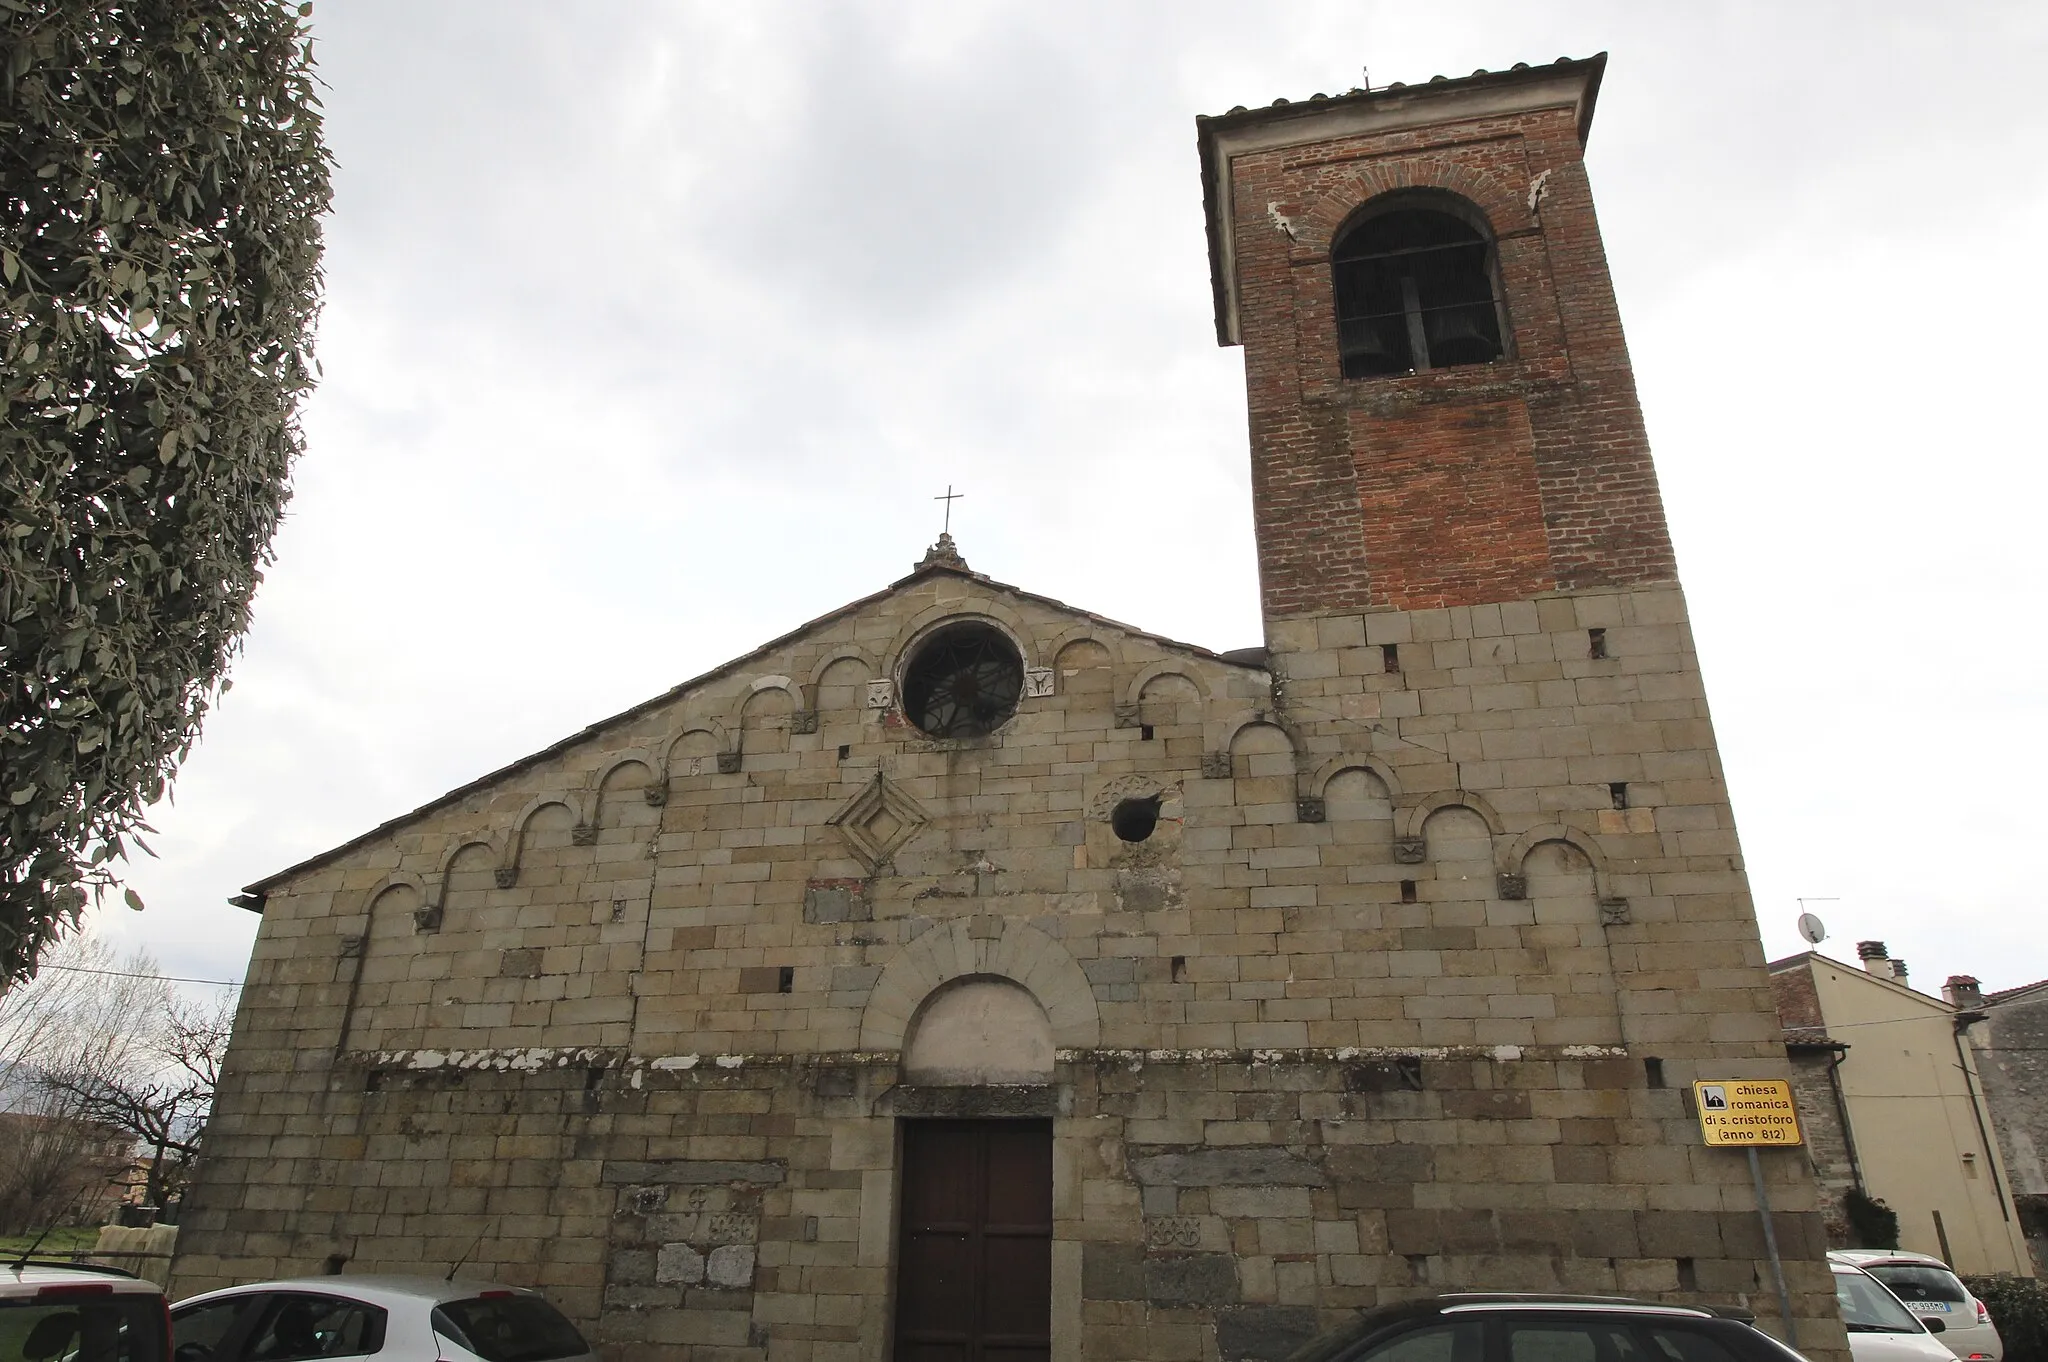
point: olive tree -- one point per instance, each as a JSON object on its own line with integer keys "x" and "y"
{"x": 162, "y": 179}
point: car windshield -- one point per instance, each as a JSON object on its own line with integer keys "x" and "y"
{"x": 509, "y": 1329}
{"x": 1919, "y": 1282}
{"x": 124, "y": 1327}
{"x": 1868, "y": 1308}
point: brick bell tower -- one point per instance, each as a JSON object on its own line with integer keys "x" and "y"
{"x": 1442, "y": 411}
{"x": 1468, "y": 585}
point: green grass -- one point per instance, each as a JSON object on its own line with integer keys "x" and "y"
{"x": 67, "y": 1239}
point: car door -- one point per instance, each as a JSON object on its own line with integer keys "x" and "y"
{"x": 212, "y": 1331}
{"x": 299, "y": 1326}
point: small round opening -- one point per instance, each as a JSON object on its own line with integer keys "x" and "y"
{"x": 963, "y": 682}
{"x": 1134, "y": 819}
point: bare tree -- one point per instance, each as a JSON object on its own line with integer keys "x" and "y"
{"x": 163, "y": 1105}
{"x": 87, "y": 1013}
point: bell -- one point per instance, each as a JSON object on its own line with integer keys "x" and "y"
{"x": 1455, "y": 336}
{"x": 1364, "y": 351}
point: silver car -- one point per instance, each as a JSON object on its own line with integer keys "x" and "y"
{"x": 392, "y": 1319}
{"x": 1933, "y": 1292}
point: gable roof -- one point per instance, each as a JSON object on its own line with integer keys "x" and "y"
{"x": 1806, "y": 959}
{"x": 2007, "y": 995}
{"x": 941, "y": 560}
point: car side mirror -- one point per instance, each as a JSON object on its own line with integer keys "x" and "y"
{"x": 1934, "y": 1326}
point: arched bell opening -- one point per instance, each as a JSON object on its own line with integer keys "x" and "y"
{"x": 1417, "y": 287}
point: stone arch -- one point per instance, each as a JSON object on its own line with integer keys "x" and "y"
{"x": 979, "y": 1029}
{"x": 1416, "y": 815}
{"x": 1105, "y": 639}
{"x": 1226, "y": 735}
{"x": 1084, "y": 667}
{"x": 1319, "y": 782}
{"x": 1169, "y": 666}
{"x": 759, "y": 690}
{"x": 764, "y": 717}
{"x": 1356, "y": 793}
{"x": 1514, "y": 856}
{"x": 838, "y": 683}
{"x": 687, "y": 752}
{"x": 514, "y": 844}
{"x": 605, "y": 787}
{"x": 1495, "y": 202}
{"x": 383, "y": 920}
{"x": 1022, "y": 954}
{"x": 936, "y": 617}
{"x": 494, "y": 854}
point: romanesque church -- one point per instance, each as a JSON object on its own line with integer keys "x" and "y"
{"x": 967, "y": 976}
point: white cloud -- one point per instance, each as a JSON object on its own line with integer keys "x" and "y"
{"x": 652, "y": 333}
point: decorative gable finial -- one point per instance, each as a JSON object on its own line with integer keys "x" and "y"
{"x": 943, "y": 555}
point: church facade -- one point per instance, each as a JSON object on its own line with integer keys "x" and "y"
{"x": 967, "y": 975}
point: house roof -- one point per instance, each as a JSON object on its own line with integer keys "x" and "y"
{"x": 1806, "y": 959}
{"x": 2006, "y": 995}
{"x": 942, "y": 559}
{"x": 1571, "y": 82}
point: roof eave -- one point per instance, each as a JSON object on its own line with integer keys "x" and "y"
{"x": 255, "y": 893}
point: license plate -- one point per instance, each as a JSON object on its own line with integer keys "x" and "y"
{"x": 1929, "y": 1307}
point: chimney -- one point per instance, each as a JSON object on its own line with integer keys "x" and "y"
{"x": 1964, "y": 994}
{"x": 1872, "y": 954}
{"x": 1899, "y": 971}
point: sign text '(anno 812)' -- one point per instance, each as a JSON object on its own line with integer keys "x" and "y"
{"x": 1747, "y": 1111}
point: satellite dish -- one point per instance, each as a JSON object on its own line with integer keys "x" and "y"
{"x": 1810, "y": 927}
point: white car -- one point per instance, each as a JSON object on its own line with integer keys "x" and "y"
{"x": 393, "y": 1319}
{"x": 1881, "y": 1328}
{"x": 1931, "y": 1290}
{"x": 53, "y": 1311}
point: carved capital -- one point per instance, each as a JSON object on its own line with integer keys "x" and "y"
{"x": 1127, "y": 717}
{"x": 728, "y": 763}
{"x": 804, "y": 721}
{"x": 656, "y": 792}
{"x": 1038, "y": 682}
{"x": 1511, "y": 886}
{"x": 1615, "y": 913}
{"x": 1411, "y": 850}
{"x": 1216, "y": 765}
{"x": 583, "y": 835}
{"x": 427, "y": 918}
{"x": 1309, "y": 810}
{"x": 506, "y": 876}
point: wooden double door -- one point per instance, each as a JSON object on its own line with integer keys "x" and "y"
{"x": 974, "y": 1252}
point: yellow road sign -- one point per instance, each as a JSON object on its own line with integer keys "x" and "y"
{"x": 1747, "y": 1111}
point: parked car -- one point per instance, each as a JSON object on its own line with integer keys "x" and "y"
{"x": 1932, "y": 1290}
{"x": 1543, "y": 1328}
{"x": 60, "y": 1312}
{"x": 395, "y": 1319}
{"x": 1881, "y": 1328}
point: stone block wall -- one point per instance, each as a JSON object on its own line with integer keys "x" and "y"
{"x": 1365, "y": 1016}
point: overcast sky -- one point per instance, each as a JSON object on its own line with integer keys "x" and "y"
{"x": 653, "y": 330}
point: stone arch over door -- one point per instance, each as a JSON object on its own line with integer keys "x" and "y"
{"x": 1020, "y": 954}
{"x": 978, "y": 1030}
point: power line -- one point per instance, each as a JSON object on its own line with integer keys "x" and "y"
{"x": 161, "y": 978}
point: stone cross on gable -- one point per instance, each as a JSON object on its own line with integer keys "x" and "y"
{"x": 950, "y": 497}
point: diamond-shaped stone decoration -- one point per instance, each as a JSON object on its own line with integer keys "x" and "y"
{"x": 878, "y": 821}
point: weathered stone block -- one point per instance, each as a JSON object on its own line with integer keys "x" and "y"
{"x": 1191, "y": 1279}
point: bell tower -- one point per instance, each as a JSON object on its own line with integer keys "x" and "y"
{"x": 1442, "y": 410}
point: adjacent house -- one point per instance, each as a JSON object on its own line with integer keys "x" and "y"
{"x": 1894, "y": 1107}
{"x": 2008, "y": 1032}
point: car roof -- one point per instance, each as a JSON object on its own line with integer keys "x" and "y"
{"x": 19, "y": 1278}
{"x": 1865, "y": 1257}
{"x": 1484, "y": 1302}
{"x": 384, "y": 1289}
